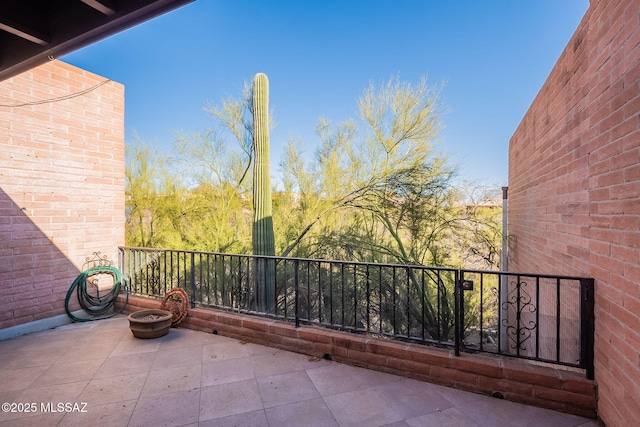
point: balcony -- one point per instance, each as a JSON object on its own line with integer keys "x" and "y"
{"x": 524, "y": 337}
{"x": 196, "y": 378}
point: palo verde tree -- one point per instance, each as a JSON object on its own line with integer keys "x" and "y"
{"x": 153, "y": 198}
{"x": 382, "y": 194}
{"x": 390, "y": 174}
{"x": 216, "y": 164}
{"x": 140, "y": 194}
{"x": 217, "y": 187}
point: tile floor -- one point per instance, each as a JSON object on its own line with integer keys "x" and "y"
{"x": 106, "y": 377}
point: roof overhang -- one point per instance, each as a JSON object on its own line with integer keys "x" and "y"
{"x": 33, "y": 32}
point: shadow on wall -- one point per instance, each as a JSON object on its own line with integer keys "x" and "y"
{"x": 35, "y": 274}
{"x": 61, "y": 185}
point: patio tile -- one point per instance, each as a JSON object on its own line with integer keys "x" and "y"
{"x": 168, "y": 409}
{"x": 119, "y": 322}
{"x": 172, "y": 380}
{"x": 67, "y": 392}
{"x": 126, "y": 364}
{"x": 223, "y": 400}
{"x": 53, "y": 338}
{"x": 40, "y": 420}
{"x": 411, "y": 398}
{"x": 553, "y": 418}
{"x": 310, "y": 413}
{"x": 180, "y": 338}
{"x": 486, "y": 410}
{"x": 375, "y": 378}
{"x": 62, "y": 373}
{"x": 29, "y": 343}
{"x": 255, "y": 349}
{"x": 19, "y": 379}
{"x": 253, "y": 419}
{"x": 281, "y": 362}
{"x": 337, "y": 378}
{"x": 103, "y": 335}
{"x": 81, "y": 326}
{"x": 132, "y": 345}
{"x": 175, "y": 357}
{"x": 221, "y": 339}
{"x": 68, "y": 332}
{"x": 9, "y": 396}
{"x": 29, "y": 358}
{"x": 361, "y": 408}
{"x": 590, "y": 423}
{"x": 14, "y": 345}
{"x": 288, "y": 388}
{"x": 101, "y": 391}
{"x": 226, "y": 371}
{"x": 108, "y": 415}
{"x": 89, "y": 351}
{"x": 223, "y": 351}
{"x": 450, "y": 417}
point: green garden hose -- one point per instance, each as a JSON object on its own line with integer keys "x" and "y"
{"x": 97, "y": 306}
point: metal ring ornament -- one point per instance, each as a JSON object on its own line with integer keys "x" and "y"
{"x": 176, "y": 301}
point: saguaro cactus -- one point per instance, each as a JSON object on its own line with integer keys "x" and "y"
{"x": 263, "y": 239}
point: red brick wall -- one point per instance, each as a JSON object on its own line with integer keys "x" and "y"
{"x": 574, "y": 189}
{"x": 61, "y": 185}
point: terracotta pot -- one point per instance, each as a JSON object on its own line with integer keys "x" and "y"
{"x": 150, "y": 323}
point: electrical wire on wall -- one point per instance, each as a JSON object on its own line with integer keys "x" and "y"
{"x": 57, "y": 99}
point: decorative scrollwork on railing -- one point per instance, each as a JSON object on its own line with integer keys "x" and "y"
{"x": 519, "y": 301}
{"x": 153, "y": 276}
{"x": 96, "y": 260}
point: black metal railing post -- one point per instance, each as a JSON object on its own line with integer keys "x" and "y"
{"x": 518, "y": 308}
{"x": 193, "y": 279}
{"x": 457, "y": 316}
{"x": 587, "y": 326}
{"x": 121, "y": 267}
{"x": 296, "y": 287}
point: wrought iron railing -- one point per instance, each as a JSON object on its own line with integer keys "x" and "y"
{"x": 539, "y": 317}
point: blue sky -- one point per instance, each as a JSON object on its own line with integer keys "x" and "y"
{"x": 320, "y": 55}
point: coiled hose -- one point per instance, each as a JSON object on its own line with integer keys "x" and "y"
{"x": 96, "y": 306}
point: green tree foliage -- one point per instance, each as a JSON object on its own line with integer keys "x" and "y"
{"x": 216, "y": 165}
{"x": 217, "y": 191}
{"x": 389, "y": 180}
{"x": 154, "y": 199}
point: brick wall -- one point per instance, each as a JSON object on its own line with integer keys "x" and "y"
{"x": 574, "y": 189}
{"x": 61, "y": 184}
